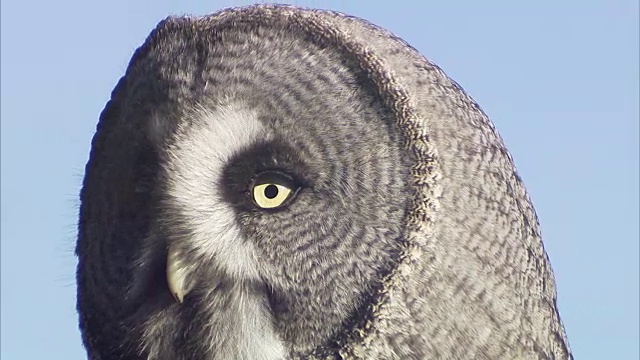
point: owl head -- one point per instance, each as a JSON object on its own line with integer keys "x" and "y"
{"x": 273, "y": 182}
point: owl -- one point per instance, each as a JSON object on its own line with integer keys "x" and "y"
{"x": 272, "y": 182}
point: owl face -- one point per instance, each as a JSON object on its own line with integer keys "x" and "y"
{"x": 280, "y": 194}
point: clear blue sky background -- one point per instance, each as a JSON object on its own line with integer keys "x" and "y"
{"x": 558, "y": 78}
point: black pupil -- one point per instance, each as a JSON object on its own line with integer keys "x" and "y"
{"x": 271, "y": 191}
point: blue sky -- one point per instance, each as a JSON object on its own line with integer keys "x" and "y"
{"x": 559, "y": 80}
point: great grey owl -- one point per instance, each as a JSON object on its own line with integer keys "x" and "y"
{"x": 273, "y": 182}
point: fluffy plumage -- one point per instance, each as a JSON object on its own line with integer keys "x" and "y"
{"x": 411, "y": 235}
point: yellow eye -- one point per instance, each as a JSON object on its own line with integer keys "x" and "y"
{"x": 270, "y": 195}
{"x": 273, "y": 189}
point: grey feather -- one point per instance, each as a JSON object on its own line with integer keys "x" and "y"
{"x": 411, "y": 235}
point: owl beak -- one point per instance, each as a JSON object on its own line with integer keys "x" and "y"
{"x": 177, "y": 272}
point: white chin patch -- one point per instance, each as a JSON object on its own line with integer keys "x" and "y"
{"x": 195, "y": 163}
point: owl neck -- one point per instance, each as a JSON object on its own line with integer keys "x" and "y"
{"x": 232, "y": 321}
{"x": 240, "y": 325}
